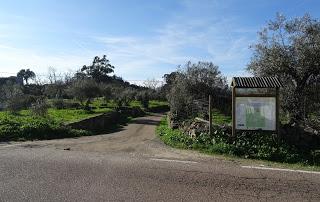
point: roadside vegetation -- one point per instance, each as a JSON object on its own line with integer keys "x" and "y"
{"x": 286, "y": 49}
{"x": 253, "y": 145}
{"x": 22, "y": 128}
{"x": 44, "y": 110}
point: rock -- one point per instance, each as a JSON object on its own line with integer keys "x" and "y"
{"x": 192, "y": 133}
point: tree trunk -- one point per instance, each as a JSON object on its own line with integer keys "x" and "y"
{"x": 87, "y": 107}
{"x": 297, "y": 115}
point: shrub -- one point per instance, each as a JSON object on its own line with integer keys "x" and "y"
{"x": 15, "y": 104}
{"x": 58, "y": 103}
{"x": 143, "y": 97}
{"x": 249, "y": 144}
{"x": 9, "y": 128}
{"x": 40, "y": 107}
{"x": 12, "y": 96}
{"x": 72, "y": 105}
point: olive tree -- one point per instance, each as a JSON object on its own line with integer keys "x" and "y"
{"x": 192, "y": 81}
{"x": 143, "y": 97}
{"x": 106, "y": 92}
{"x": 289, "y": 50}
{"x": 84, "y": 90}
{"x": 12, "y": 97}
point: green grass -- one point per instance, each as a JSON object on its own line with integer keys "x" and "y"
{"x": 219, "y": 118}
{"x": 135, "y": 103}
{"x": 72, "y": 115}
{"x": 156, "y": 103}
{"x": 172, "y": 137}
{"x": 62, "y": 115}
{"x": 27, "y": 127}
{"x": 205, "y": 144}
{"x": 152, "y": 103}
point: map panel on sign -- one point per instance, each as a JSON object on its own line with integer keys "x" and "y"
{"x": 253, "y": 113}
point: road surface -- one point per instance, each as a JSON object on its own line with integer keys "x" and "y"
{"x": 132, "y": 164}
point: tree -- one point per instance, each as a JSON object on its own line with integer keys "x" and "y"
{"x": 193, "y": 81}
{"x": 53, "y": 76}
{"x": 169, "y": 81}
{"x": 26, "y": 74}
{"x": 143, "y": 97}
{"x": 122, "y": 96}
{"x": 40, "y": 107}
{"x": 84, "y": 90}
{"x": 106, "y": 92}
{"x": 204, "y": 78}
{"x": 57, "y": 84}
{"x": 99, "y": 69}
{"x": 289, "y": 50}
{"x": 12, "y": 97}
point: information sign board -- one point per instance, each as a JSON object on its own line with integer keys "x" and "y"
{"x": 254, "y": 113}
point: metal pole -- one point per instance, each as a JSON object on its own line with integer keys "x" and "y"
{"x": 210, "y": 116}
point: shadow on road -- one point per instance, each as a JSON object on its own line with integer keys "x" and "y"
{"x": 145, "y": 122}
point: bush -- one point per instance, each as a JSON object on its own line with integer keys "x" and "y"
{"x": 172, "y": 137}
{"x": 9, "y": 128}
{"x": 255, "y": 145}
{"x": 12, "y": 96}
{"x": 40, "y": 107}
{"x": 15, "y": 104}
{"x": 58, "y": 103}
{"x": 143, "y": 97}
{"x": 72, "y": 105}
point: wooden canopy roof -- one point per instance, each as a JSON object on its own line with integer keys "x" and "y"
{"x": 256, "y": 82}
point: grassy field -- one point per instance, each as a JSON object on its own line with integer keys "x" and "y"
{"x": 61, "y": 115}
{"x": 99, "y": 106}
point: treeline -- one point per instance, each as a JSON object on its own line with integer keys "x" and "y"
{"x": 92, "y": 81}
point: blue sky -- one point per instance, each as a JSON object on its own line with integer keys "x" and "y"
{"x": 143, "y": 39}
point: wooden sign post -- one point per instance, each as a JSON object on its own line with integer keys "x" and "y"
{"x": 210, "y": 115}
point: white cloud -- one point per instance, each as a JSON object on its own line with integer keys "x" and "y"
{"x": 13, "y": 59}
{"x": 185, "y": 37}
{"x": 177, "y": 42}
{"x": 116, "y": 40}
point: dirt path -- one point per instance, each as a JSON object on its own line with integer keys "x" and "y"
{"x": 138, "y": 138}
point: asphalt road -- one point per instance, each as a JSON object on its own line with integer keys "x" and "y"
{"x": 133, "y": 165}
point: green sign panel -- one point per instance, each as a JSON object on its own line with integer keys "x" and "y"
{"x": 253, "y": 113}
